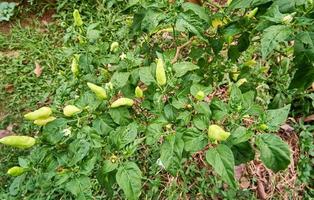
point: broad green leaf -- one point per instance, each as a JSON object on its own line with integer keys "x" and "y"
{"x": 304, "y": 58}
{"x": 275, "y": 118}
{"x": 146, "y": 75}
{"x": 201, "y": 121}
{"x": 120, "y": 115}
{"x": 195, "y": 88}
{"x": 222, "y": 160}
{"x": 101, "y": 127}
{"x": 151, "y": 20}
{"x": 16, "y": 185}
{"x": 119, "y": 79}
{"x": 243, "y": 4}
{"x": 124, "y": 135}
{"x": 203, "y": 108}
{"x": 239, "y": 135}
{"x": 182, "y": 68}
{"x": 272, "y": 37}
{"x": 171, "y": 152}
{"x": 79, "y": 186}
{"x": 191, "y": 24}
{"x": 243, "y": 152}
{"x": 129, "y": 179}
{"x": 275, "y": 153}
{"x": 108, "y": 166}
{"x": 198, "y": 10}
{"x": 194, "y": 140}
{"x": 153, "y": 133}
{"x": 78, "y": 149}
{"x": 53, "y": 132}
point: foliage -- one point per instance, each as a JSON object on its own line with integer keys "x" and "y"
{"x": 6, "y": 10}
{"x": 144, "y": 107}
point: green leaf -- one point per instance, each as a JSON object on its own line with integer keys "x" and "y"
{"x": 304, "y": 58}
{"x": 275, "y": 118}
{"x": 129, "y": 179}
{"x": 243, "y": 152}
{"x": 242, "y": 4}
{"x": 196, "y": 9}
{"x": 124, "y": 135}
{"x": 153, "y": 133}
{"x": 221, "y": 159}
{"x": 146, "y": 75}
{"x": 119, "y": 79}
{"x": 53, "y": 132}
{"x": 101, "y": 127}
{"x": 171, "y": 152}
{"x": 79, "y": 149}
{"x": 241, "y": 134}
{"x": 120, "y": 115}
{"x": 272, "y": 36}
{"x": 182, "y": 68}
{"x": 275, "y": 153}
{"x": 79, "y": 186}
{"x": 108, "y": 166}
{"x": 194, "y": 140}
{"x": 201, "y": 121}
{"x": 195, "y": 88}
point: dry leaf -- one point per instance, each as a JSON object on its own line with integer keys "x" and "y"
{"x": 261, "y": 190}
{"x": 239, "y": 171}
{"x": 287, "y": 128}
{"x": 4, "y": 133}
{"x": 38, "y": 69}
{"x": 9, "y": 88}
{"x": 244, "y": 183}
{"x": 309, "y": 118}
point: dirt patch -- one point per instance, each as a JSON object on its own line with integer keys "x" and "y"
{"x": 27, "y": 19}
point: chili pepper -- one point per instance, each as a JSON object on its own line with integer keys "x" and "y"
{"x": 114, "y": 47}
{"x": 15, "y": 171}
{"x": 138, "y": 92}
{"x": 99, "y": 91}
{"x": 217, "y": 133}
{"x": 41, "y": 113}
{"x": 44, "y": 121}
{"x": 122, "y": 102}
{"x": 77, "y": 18}
{"x": 160, "y": 72}
{"x": 200, "y": 95}
{"x": 22, "y": 142}
{"x": 70, "y": 110}
{"x": 75, "y": 64}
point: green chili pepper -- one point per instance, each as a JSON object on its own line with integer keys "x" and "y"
{"x": 22, "y": 142}
{"x": 15, "y": 171}
{"x": 99, "y": 91}
{"x": 138, "y": 92}
{"x": 44, "y": 121}
{"x": 77, "y": 18}
{"x": 122, "y": 102}
{"x": 70, "y": 110}
{"x": 217, "y": 133}
{"x": 41, "y": 113}
{"x": 160, "y": 72}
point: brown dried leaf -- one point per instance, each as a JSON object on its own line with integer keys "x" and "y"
{"x": 239, "y": 171}
{"x": 4, "y": 133}
{"x": 261, "y": 190}
{"x": 244, "y": 183}
{"x": 9, "y": 88}
{"x": 309, "y": 118}
{"x": 38, "y": 69}
{"x": 287, "y": 128}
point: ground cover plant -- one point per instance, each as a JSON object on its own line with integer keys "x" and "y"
{"x": 159, "y": 100}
